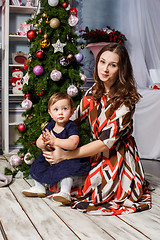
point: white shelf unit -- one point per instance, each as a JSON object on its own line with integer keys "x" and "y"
{"x": 7, "y": 40}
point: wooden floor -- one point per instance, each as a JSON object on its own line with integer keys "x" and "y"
{"x": 23, "y": 218}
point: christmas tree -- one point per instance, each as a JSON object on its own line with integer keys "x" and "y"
{"x": 54, "y": 65}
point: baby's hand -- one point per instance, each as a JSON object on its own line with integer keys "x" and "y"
{"x": 45, "y": 135}
{"x": 52, "y": 139}
{"x": 48, "y": 138}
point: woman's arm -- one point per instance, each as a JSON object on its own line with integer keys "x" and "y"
{"x": 70, "y": 143}
{"x": 87, "y": 150}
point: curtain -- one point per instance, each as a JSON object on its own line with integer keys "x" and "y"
{"x": 140, "y": 22}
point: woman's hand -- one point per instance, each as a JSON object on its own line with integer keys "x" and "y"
{"x": 55, "y": 156}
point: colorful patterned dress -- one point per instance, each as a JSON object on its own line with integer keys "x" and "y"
{"x": 115, "y": 185}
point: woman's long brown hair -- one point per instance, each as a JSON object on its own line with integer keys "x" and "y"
{"x": 124, "y": 89}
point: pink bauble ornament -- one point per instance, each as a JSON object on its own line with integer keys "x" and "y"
{"x": 67, "y": 36}
{"x": 83, "y": 77}
{"x": 21, "y": 128}
{"x": 79, "y": 57}
{"x": 56, "y": 75}
{"x": 26, "y": 104}
{"x": 53, "y": 3}
{"x": 27, "y": 159}
{"x": 72, "y": 20}
{"x": 72, "y": 91}
{"x": 38, "y": 70}
{"x": 15, "y": 160}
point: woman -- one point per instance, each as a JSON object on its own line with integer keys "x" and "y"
{"x": 115, "y": 184}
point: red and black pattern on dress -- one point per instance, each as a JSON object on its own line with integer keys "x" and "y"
{"x": 115, "y": 184}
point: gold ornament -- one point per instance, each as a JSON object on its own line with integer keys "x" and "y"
{"x": 47, "y": 21}
{"x": 70, "y": 57}
{"x": 44, "y": 15}
{"x": 82, "y": 47}
{"x": 54, "y": 23}
{"x": 30, "y": 117}
{"x": 45, "y": 36}
{"x": 45, "y": 42}
{"x": 43, "y": 125}
{"x": 29, "y": 60}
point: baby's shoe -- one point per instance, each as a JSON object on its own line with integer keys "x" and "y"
{"x": 62, "y": 197}
{"x": 35, "y": 191}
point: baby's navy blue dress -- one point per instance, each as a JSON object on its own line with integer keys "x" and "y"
{"x": 43, "y": 172}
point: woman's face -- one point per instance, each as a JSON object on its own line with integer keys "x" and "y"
{"x": 108, "y": 68}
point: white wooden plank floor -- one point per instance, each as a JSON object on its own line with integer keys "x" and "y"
{"x": 23, "y": 218}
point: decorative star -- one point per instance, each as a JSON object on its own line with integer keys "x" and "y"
{"x": 58, "y": 46}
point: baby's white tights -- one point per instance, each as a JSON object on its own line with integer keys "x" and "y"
{"x": 66, "y": 184}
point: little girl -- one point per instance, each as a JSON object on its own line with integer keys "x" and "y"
{"x": 63, "y": 133}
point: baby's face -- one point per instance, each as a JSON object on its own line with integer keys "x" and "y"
{"x": 61, "y": 111}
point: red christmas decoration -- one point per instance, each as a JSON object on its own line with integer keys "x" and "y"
{"x": 32, "y": 143}
{"x": 25, "y": 65}
{"x": 17, "y": 75}
{"x": 21, "y": 128}
{"x": 73, "y": 11}
{"x": 40, "y": 31}
{"x": 27, "y": 95}
{"x": 31, "y": 34}
{"x": 65, "y": 5}
{"x": 41, "y": 94}
{"x": 40, "y": 54}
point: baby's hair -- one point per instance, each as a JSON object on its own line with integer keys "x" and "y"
{"x": 59, "y": 96}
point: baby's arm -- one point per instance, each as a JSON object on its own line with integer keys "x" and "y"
{"x": 70, "y": 143}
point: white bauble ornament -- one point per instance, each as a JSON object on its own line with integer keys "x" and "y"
{"x": 56, "y": 75}
{"x": 26, "y": 104}
{"x": 72, "y": 91}
{"x": 53, "y": 3}
{"x": 83, "y": 77}
{"x": 15, "y": 160}
{"x": 27, "y": 159}
{"x": 72, "y": 20}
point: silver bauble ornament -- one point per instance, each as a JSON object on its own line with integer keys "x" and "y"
{"x": 26, "y": 104}
{"x": 56, "y": 75}
{"x": 27, "y": 159}
{"x": 15, "y": 160}
{"x": 83, "y": 77}
{"x": 53, "y": 3}
{"x": 72, "y": 90}
{"x": 72, "y": 20}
